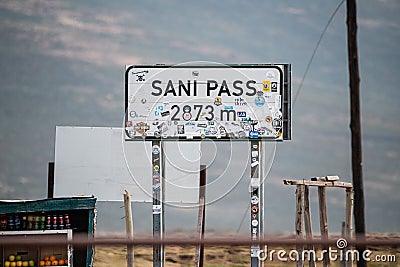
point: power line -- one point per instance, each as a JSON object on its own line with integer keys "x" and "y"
{"x": 243, "y": 217}
{"x": 315, "y": 50}
{"x": 301, "y": 84}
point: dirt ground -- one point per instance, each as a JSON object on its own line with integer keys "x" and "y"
{"x": 177, "y": 256}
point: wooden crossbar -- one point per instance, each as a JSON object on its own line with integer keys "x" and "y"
{"x": 318, "y": 183}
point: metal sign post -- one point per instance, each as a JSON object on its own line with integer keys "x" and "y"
{"x": 262, "y": 190}
{"x": 256, "y": 199}
{"x": 158, "y": 200}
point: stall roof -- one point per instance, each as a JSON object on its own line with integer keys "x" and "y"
{"x": 48, "y": 204}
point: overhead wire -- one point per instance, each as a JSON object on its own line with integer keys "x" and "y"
{"x": 315, "y": 50}
{"x": 302, "y": 82}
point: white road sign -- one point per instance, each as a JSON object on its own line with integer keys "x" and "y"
{"x": 208, "y": 101}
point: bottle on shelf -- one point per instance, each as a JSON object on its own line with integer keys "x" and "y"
{"x": 67, "y": 222}
{"x": 60, "y": 222}
{"x": 24, "y": 222}
{"x": 54, "y": 224}
{"x": 17, "y": 222}
{"x": 10, "y": 222}
{"x": 48, "y": 222}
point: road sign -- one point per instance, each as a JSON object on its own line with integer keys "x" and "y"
{"x": 193, "y": 102}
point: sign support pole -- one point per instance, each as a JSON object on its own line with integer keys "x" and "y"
{"x": 262, "y": 175}
{"x": 162, "y": 253}
{"x": 199, "y": 259}
{"x": 158, "y": 201}
{"x": 256, "y": 194}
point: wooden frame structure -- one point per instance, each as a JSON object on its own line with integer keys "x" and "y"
{"x": 303, "y": 214}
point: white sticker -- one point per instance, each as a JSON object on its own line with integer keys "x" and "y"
{"x": 150, "y": 133}
{"x": 255, "y": 163}
{"x": 156, "y": 209}
{"x": 255, "y": 182}
{"x": 254, "y": 200}
{"x": 254, "y": 153}
{"x": 277, "y": 101}
{"x": 254, "y": 252}
{"x": 156, "y": 150}
{"x": 156, "y": 186}
{"x": 254, "y": 223}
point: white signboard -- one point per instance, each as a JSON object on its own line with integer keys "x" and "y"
{"x": 217, "y": 102}
{"x": 97, "y": 161}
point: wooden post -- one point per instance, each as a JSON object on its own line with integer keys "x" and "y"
{"x": 50, "y": 180}
{"x": 307, "y": 223}
{"x": 299, "y": 222}
{"x": 355, "y": 126}
{"x": 129, "y": 228}
{"x": 348, "y": 220}
{"x": 199, "y": 260}
{"x": 323, "y": 221}
{"x": 343, "y": 259}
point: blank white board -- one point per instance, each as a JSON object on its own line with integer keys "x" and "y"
{"x": 97, "y": 161}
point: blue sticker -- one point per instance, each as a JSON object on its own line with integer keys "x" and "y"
{"x": 253, "y": 134}
{"x": 228, "y": 107}
{"x": 241, "y": 113}
{"x": 259, "y": 101}
{"x": 187, "y": 109}
{"x": 158, "y": 110}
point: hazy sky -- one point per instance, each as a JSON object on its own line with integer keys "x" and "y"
{"x": 62, "y": 63}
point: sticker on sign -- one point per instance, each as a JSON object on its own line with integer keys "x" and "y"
{"x": 213, "y": 101}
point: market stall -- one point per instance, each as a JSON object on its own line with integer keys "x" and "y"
{"x": 57, "y": 218}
